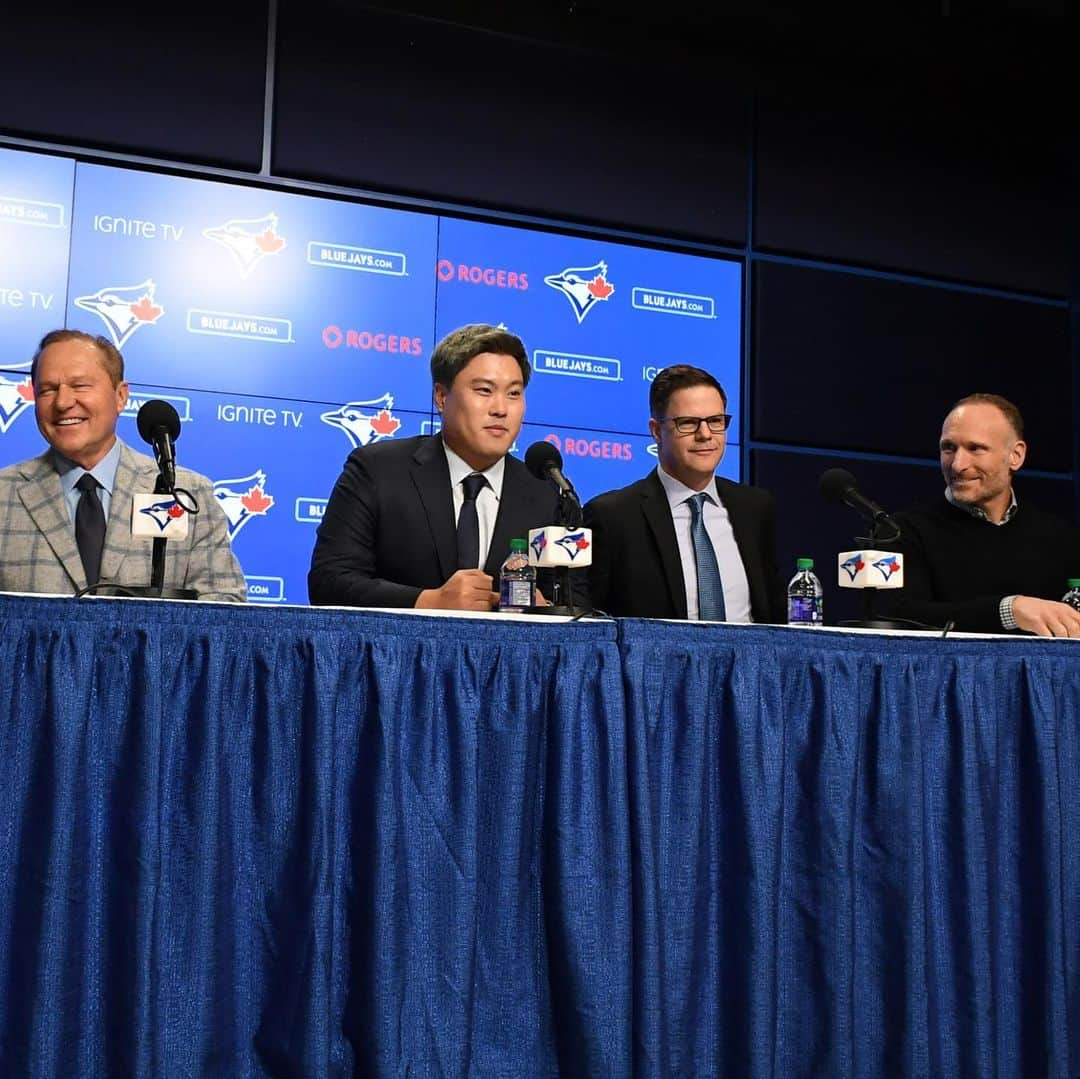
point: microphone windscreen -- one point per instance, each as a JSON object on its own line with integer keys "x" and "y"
{"x": 541, "y": 456}
{"x": 835, "y": 483}
{"x": 155, "y": 414}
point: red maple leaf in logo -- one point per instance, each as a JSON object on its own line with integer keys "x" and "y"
{"x": 599, "y": 288}
{"x": 256, "y": 501}
{"x": 146, "y": 310}
{"x": 859, "y": 565}
{"x": 582, "y": 544}
{"x": 176, "y": 510}
{"x": 25, "y": 389}
{"x": 269, "y": 241}
{"x": 384, "y": 424}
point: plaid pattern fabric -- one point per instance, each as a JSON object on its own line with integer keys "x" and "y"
{"x": 37, "y": 542}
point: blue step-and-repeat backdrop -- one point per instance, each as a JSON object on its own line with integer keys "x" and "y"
{"x": 287, "y": 329}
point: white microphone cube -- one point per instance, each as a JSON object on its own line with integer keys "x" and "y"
{"x": 554, "y": 546}
{"x": 158, "y": 517}
{"x": 870, "y": 569}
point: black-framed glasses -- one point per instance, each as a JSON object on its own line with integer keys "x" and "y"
{"x": 688, "y": 425}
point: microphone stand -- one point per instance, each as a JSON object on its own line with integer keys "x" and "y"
{"x": 869, "y": 619}
{"x": 562, "y": 597}
{"x": 156, "y": 589}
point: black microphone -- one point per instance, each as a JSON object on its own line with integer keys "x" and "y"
{"x": 159, "y": 424}
{"x": 839, "y": 485}
{"x": 544, "y": 461}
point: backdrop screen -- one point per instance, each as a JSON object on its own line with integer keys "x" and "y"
{"x": 287, "y": 329}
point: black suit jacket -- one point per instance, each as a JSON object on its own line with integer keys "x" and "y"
{"x": 636, "y": 570}
{"x": 389, "y": 532}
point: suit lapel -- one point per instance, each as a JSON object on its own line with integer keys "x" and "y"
{"x": 131, "y": 479}
{"x": 729, "y": 496}
{"x": 513, "y": 508}
{"x": 43, "y": 498}
{"x": 654, "y": 504}
{"x": 431, "y": 475}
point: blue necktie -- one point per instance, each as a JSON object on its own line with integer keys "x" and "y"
{"x": 89, "y": 527}
{"x": 710, "y": 589}
{"x": 468, "y": 525}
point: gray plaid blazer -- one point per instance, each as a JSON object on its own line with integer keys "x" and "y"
{"x": 37, "y": 540}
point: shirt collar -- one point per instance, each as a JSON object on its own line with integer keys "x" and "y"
{"x": 104, "y": 471}
{"x": 677, "y": 492}
{"x": 459, "y": 469}
{"x": 978, "y": 512}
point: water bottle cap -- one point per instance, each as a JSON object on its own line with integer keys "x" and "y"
{"x": 519, "y": 545}
{"x": 804, "y": 563}
{"x": 1074, "y": 582}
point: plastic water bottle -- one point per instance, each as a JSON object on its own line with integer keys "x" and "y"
{"x": 1072, "y": 597}
{"x": 517, "y": 587}
{"x": 804, "y": 596}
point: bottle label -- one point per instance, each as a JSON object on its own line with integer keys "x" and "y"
{"x": 804, "y": 611}
{"x": 517, "y": 595}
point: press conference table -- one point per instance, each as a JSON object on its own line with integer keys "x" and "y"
{"x": 251, "y": 841}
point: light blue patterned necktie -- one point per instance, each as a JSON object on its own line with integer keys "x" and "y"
{"x": 710, "y": 589}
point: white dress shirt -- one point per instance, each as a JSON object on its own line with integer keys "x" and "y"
{"x": 487, "y": 501}
{"x": 718, "y": 527}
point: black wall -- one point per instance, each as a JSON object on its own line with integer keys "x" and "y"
{"x": 902, "y": 200}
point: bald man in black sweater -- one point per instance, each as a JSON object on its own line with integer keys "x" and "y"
{"x": 977, "y": 557}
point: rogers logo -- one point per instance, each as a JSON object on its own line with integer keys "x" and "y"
{"x": 592, "y": 447}
{"x": 335, "y": 337}
{"x": 446, "y": 270}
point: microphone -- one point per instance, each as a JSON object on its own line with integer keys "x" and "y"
{"x": 839, "y": 485}
{"x": 159, "y": 424}
{"x": 544, "y": 461}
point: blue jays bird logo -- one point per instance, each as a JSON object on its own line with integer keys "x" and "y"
{"x": 539, "y": 542}
{"x": 244, "y": 498}
{"x": 123, "y": 309}
{"x": 163, "y": 513}
{"x": 365, "y": 422}
{"x": 583, "y": 286}
{"x": 887, "y": 566}
{"x": 248, "y": 240}
{"x": 573, "y": 544}
{"x": 853, "y": 565}
{"x": 15, "y": 399}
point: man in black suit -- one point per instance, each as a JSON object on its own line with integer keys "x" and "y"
{"x": 427, "y": 521}
{"x": 682, "y": 542}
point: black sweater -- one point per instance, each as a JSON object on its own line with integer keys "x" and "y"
{"x": 957, "y": 567}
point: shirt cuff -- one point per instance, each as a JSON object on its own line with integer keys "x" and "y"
{"x": 1005, "y": 610}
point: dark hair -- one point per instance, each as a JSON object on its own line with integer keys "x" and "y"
{"x": 679, "y": 376}
{"x": 109, "y": 354}
{"x": 459, "y": 346}
{"x": 1002, "y": 404}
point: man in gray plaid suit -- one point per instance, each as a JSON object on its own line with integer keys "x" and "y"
{"x": 66, "y": 516}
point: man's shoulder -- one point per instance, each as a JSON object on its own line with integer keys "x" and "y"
{"x": 30, "y": 469}
{"x": 622, "y": 497}
{"x": 395, "y": 450}
{"x": 743, "y": 493}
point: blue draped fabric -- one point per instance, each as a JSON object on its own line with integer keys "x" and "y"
{"x": 251, "y": 842}
{"x": 853, "y": 855}
{"x": 240, "y": 842}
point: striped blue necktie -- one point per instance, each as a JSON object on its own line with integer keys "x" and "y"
{"x": 710, "y": 589}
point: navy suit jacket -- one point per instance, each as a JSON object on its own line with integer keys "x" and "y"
{"x": 389, "y": 531}
{"x": 636, "y": 571}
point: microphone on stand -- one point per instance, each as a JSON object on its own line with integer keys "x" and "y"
{"x": 159, "y": 424}
{"x": 559, "y": 546}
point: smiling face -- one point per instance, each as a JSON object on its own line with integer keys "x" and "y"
{"x": 76, "y": 403}
{"x": 483, "y": 408}
{"x": 979, "y": 453}
{"x": 691, "y": 459}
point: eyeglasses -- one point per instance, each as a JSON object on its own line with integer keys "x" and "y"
{"x": 688, "y": 425}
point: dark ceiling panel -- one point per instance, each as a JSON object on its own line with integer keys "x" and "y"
{"x": 953, "y": 164}
{"x": 423, "y": 107}
{"x": 123, "y": 77}
{"x": 865, "y": 363}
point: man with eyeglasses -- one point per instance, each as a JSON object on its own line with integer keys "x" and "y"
{"x": 684, "y": 542}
